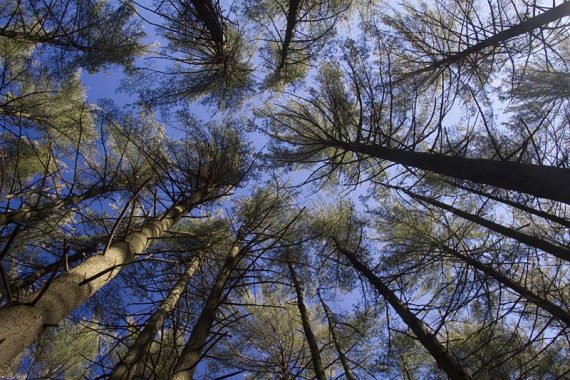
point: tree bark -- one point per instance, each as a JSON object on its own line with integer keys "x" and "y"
{"x": 23, "y": 283}
{"x": 341, "y": 355}
{"x": 51, "y": 305}
{"x": 543, "y": 19}
{"x": 555, "y": 250}
{"x": 444, "y": 359}
{"x": 206, "y": 12}
{"x": 541, "y": 181}
{"x": 306, "y": 321}
{"x": 555, "y": 310}
{"x": 292, "y": 13}
{"x": 192, "y": 352}
{"x": 130, "y": 363}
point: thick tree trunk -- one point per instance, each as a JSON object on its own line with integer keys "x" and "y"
{"x": 541, "y": 181}
{"x": 306, "y": 321}
{"x": 26, "y": 214}
{"x": 341, "y": 355}
{"x": 508, "y": 202}
{"x": 25, "y": 282}
{"x": 130, "y": 363}
{"x": 21, "y": 325}
{"x": 555, "y": 310}
{"x": 192, "y": 352}
{"x": 525, "y": 27}
{"x": 543, "y": 245}
{"x": 444, "y": 359}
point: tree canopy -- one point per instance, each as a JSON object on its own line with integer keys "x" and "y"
{"x": 290, "y": 189}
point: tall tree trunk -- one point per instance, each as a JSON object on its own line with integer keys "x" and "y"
{"x": 331, "y": 321}
{"x": 26, "y": 214}
{"x": 555, "y": 310}
{"x": 541, "y": 181}
{"x": 292, "y": 14}
{"x": 444, "y": 359}
{"x": 543, "y": 245}
{"x": 525, "y": 27}
{"x": 23, "y": 283}
{"x": 21, "y": 325}
{"x": 192, "y": 352}
{"x": 306, "y": 321}
{"x": 519, "y": 206}
{"x": 207, "y": 13}
{"x": 130, "y": 363}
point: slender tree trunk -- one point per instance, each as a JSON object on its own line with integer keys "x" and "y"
{"x": 331, "y": 320}
{"x": 444, "y": 359}
{"x": 556, "y": 250}
{"x": 192, "y": 352}
{"x": 541, "y": 181}
{"x": 525, "y": 27}
{"x": 130, "y": 363}
{"x": 306, "y": 321}
{"x": 508, "y": 202}
{"x": 21, "y": 325}
{"x": 292, "y": 14}
{"x": 26, "y": 214}
{"x": 555, "y": 310}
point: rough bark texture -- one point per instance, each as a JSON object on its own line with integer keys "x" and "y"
{"x": 555, "y": 310}
{"x": 444, "y": 359}
{"x": 192, "y": 352}
{"x": 306, "y": 321}
{"x": 70, "y": 290}
{"x": 23, "y": 283}
{"x": 541, "y": 181}
{"x": 130, "y": 363}
{"x": 543, "y": 245}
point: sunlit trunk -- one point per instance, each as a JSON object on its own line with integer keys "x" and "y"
{"x": 194, "y": 349}
{"x": 21, "y": 325}
{"x": 130, "y": 363}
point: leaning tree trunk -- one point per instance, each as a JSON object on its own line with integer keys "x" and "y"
{"x": 130, "y": 363}
{"x": 541, "y": 181}
{"x": 519, "y": 206}
{"x": 311, "y": 340}
{"x": 21, "y": 284}
{"x": 555, "y": 310}
{"x": 21, "y": 325}
{"x": 331, "y": 321}
{"x": 444, "y": 359}
{"x": 525, "y": 27}
{"x": 543, "y": 245}
{"x": 193, "y": 349}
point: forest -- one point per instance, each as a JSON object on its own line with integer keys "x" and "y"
{"x": 285, "y": 189}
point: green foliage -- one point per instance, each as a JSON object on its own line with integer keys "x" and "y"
{"x": 66, "y": 352}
